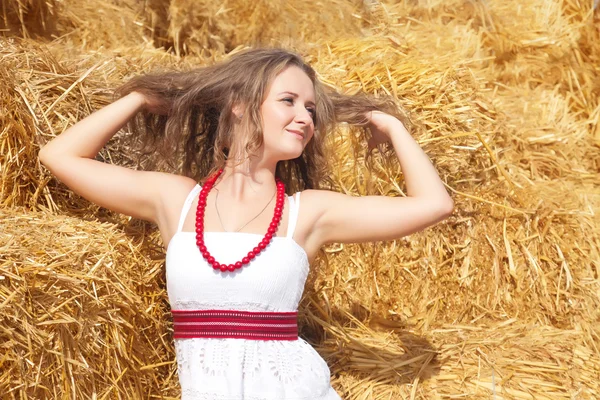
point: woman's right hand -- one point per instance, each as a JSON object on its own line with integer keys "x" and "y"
{"x": 153, "y": 104}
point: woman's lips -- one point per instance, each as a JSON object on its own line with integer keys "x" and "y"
{"x": 298, "y": 134}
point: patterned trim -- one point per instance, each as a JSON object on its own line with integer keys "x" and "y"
{"x": 235, "y": 324}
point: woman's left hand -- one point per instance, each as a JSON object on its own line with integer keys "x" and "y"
{"x": 380, "y": 125}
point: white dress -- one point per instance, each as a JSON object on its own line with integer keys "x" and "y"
{"x": 242, "y": 369}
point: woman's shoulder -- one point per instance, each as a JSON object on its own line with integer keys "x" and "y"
{"x": 316, "y": 195}
{"x": 315, "y": 203}
{"x": 174, "y": 189}
{"x": 174, "y": 184}
{"x": 312, "y": 202}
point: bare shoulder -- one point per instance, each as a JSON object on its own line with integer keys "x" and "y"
{"x": 174, "y": 191}
{"x": 310, "y": 211}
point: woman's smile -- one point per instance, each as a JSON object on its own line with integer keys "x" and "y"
{"x": 298, "y": 134}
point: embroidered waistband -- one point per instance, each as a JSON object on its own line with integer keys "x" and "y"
{"x": 221, "y": 324}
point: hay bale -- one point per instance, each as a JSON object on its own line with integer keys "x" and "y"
{"x": 81, "y": 23}
{"x": 83, "y": 310}
{"x": 102, "y": 25}
{"x": 194, "y": 26}
{"x": 42, "y": 92}
{"x": 29, "y": 18}
{"x": 518, "y": 241}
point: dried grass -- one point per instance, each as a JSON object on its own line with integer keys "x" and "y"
{"x": 499, "y": 301}
{"x": 197, "y": 25}
{"x": 83, "y": 309}
{"x": 29, "y": 18}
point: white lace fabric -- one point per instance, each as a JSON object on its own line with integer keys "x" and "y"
{"x": 251, "y": 369}
{"x": 236, "y": 369}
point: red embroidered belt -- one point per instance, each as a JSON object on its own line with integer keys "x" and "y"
{"x": 235, "y": 324}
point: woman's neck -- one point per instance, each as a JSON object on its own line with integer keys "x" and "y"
{"x": 246, "y": 182}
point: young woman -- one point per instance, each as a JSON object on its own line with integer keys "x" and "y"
{"x": 245, "y": 216}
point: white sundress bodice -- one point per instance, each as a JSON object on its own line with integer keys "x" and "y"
{"x": 236, "y": 369}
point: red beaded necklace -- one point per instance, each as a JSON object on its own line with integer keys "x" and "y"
{"x": 254, "y": 252}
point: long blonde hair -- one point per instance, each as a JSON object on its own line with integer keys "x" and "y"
{"x": 200, "y": 121}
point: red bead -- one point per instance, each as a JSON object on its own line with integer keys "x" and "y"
{"x": 202, "y": 201}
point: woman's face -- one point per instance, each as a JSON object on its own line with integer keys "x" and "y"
{"x": 288, "y": 113}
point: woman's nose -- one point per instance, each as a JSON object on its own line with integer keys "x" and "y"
{"x": 304, "y": 115}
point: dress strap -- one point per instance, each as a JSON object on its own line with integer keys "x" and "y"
{"x": 187, "y": 204}
{"x": 293, "y": 216}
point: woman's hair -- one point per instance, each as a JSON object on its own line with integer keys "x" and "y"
{"x": 198, "y": 118}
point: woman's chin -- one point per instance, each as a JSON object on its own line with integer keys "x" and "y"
{"x": 289, "y": 155}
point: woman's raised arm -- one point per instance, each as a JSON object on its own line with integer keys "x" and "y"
{"x": 347, "y": 219}
{"x": 70, "y": 157}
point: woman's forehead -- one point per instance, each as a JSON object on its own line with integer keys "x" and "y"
{"x": 294, "y": 81}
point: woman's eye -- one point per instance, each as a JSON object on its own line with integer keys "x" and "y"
{"x": 312, "y": 111}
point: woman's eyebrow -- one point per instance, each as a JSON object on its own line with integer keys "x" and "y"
{"x": 296, "y": 95}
